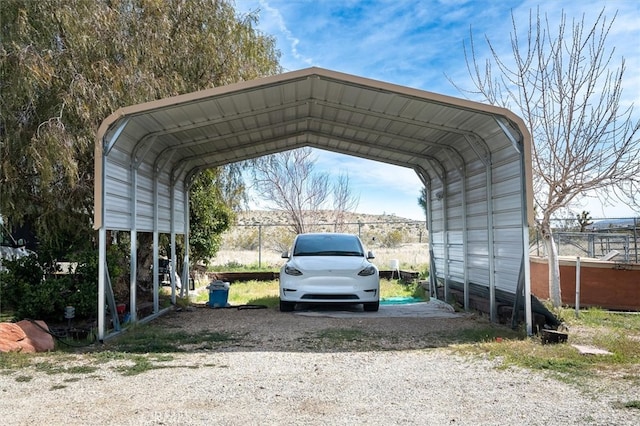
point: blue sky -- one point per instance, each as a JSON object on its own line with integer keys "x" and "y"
{"x": 419, "y": 44}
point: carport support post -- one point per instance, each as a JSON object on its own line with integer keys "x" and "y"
{"x": 185, "y": 264}
{"x": 133, "y": 247}
{"x": 102, "y": 270}
{"x": 445, "y": 240}
{"x": 156, "y": 266}
{"x": 156, "y": 242}
{"x": 490, "y": 237}
{"x": 133, "y": 315}
{"x": 172, "y": 259}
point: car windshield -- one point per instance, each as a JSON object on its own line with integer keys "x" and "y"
{"x": 328, "y": 245}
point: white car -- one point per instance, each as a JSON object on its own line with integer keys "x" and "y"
{"x": 329, "y": 268}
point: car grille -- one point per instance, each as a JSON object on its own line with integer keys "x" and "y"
{"x": 330, "y": 297}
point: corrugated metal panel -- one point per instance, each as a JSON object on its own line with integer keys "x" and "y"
{"x": 347, "y": 114}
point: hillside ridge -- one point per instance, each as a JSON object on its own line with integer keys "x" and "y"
{"x": 280, "y": 217}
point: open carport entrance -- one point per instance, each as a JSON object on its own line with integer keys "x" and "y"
{"x": 474, "y": 160}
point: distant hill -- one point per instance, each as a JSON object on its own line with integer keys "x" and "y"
{"x": 614, "y": 223}
{"x": 271, "y": 226}
{"x": 279, "y": 217}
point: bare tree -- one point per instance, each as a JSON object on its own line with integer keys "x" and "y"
{"x": 568, "y": 92}
{"x": 343, "y": 200}
{"x": 287, "y": 180}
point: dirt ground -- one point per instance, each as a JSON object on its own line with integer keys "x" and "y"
{"x": 393, "y": 327}
{"x": 311, "y": 367}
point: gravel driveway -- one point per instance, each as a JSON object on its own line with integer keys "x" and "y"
{"x": 289, "y": 369}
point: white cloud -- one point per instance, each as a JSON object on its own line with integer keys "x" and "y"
{"x": 417, "y": 44}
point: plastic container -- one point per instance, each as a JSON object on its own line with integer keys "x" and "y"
{"x": 218, "y": 294}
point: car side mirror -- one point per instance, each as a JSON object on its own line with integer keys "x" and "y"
{"x": 285, "y": 254}
{"x": 370, "y": 255}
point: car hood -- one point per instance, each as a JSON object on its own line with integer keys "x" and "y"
{"x": 329, "y": 263}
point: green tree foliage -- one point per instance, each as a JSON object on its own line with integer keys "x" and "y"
{"x": 66, "y": 65}
{"x": 212, "y": 211}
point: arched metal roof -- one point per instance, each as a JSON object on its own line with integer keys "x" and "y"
{"x": 474, "y": 159}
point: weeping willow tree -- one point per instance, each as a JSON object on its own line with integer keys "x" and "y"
{"x": 66, "y": 65}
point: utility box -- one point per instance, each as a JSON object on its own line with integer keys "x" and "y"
{"x": 218, "y": 294}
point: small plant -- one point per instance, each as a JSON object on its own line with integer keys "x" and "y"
{"x": 57, "y": 387}
{"x": 632, "y": 404}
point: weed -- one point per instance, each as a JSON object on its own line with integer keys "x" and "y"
{"x": 57, "y": 387}
{"x": 158, "y": 340}
{"x": 58, "y": 367}
{"x": 487, "y": 334}
{"x": 140, "y": 365}
{"x": 614, "y": 332}
{"x": 632, "y": 404}
{"x": 340, "y": 338}
{"x": 14, "y": 360}
{"x": 342, "y": 334}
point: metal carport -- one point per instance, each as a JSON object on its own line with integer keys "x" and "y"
{"x": 474, "y": 160}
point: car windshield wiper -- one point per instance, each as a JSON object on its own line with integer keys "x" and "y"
{"x": 350, "y": 253}
{"x": 332, "y": 253}
{"x": 329, "y": 253}
{"x": 306, "y": 253}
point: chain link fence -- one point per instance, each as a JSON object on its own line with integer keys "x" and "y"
{"x": 279, "y": 237}
{"x": 267, "y": 239}
{"x": 605, "y": 239}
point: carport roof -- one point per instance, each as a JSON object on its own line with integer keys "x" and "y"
{"x": 474, "y": 160}
{"x": 428, "y": 132}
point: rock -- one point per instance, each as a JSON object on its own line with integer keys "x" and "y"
{"x": 11, "y": 331}
{"x": 25, "y": 336}
{"x": 590, "y": 350}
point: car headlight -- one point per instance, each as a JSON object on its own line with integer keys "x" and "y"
{"x": 369, "y": 270}
{"x": 290, "y": 270}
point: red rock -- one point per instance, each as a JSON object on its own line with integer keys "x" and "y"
{"x": 7, "y": 345}
{"x": 25, "y": 336}
{"x": 11, "y": 331}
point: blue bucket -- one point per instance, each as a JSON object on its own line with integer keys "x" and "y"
{"x": 218, "y": 294}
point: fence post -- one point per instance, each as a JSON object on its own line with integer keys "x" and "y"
{"x": 635, "y": 236}
{"x": 259, "y": 246}
{"x": 577, "y": 286}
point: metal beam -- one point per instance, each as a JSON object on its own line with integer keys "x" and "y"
{"x": 490, "y": 241}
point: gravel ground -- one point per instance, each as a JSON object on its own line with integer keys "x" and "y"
{"x": 279, "y": 372}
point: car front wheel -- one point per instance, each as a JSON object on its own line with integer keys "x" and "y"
{"x": 371, "y": 307}
{"x": 286, "y": 306}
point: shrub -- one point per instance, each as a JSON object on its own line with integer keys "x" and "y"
{"x": 247, "y": 240}
{"x": 32, "y": 293}
{"x": 393, "y": 238}
{"x": 25, "y": 290}
{"x": 281, "y": 240}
